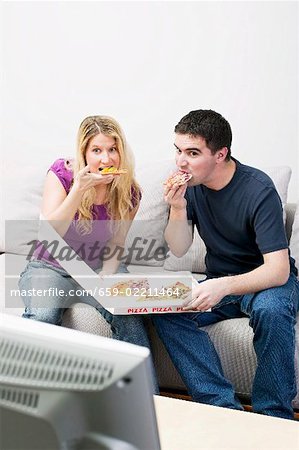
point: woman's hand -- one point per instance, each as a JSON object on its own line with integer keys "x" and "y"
{"x": 105, "y": 273}
{"x": 85, "y": 179}
{"x": 175, "y": 196}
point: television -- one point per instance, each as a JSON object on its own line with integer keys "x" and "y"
{"x": 62, "y": 389}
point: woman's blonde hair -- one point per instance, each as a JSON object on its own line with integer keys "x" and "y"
{"x": 123, "y": 194}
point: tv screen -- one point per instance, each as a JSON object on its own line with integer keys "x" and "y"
{"x": 68, "y": 390}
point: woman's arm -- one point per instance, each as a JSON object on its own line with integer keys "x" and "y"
{"x": 58, "y": 207}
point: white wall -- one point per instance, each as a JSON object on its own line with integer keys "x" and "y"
{"x": 147, "y": 64}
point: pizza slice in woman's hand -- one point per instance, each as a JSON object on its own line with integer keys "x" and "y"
{"x": 111, "y": 170}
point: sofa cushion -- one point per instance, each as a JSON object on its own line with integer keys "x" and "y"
{"x": 86, "y": 318}
{"x": 151, "y": 218}
{"x": 10, "y": 268}
{"x": 194, "y": 259}
{"x": 22, "y": 202}
{"x": 294, "y": 242}
{"x": 281, "y": 176}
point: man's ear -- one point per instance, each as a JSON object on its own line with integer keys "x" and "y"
{"x": 221, "y": 154}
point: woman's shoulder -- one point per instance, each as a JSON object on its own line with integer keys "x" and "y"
{"x": 63, "y": 169}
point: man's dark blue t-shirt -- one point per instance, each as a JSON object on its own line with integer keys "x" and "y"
{"x": 238, "y": 223}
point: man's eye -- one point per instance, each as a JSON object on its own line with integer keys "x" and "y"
{"x": 178, "y": 151}
{"x": 193, "y": 153}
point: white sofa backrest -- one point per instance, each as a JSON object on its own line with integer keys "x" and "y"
{"x": 23, "y": 194}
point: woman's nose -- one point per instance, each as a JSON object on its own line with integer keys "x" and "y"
{"x": 105, "y": 157}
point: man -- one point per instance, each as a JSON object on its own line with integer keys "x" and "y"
{"x": 238, "y": 214}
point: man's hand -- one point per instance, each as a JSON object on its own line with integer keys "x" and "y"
{"x": 178, "y": 233}
{"x": 206, "y": 295}
{"x": 175, "y": 196}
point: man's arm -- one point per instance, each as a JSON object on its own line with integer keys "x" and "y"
{"x": 178, "y": 233}
{"x": 273, "y": 272}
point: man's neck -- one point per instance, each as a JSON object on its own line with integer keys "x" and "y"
{"x": 223, "y": 175}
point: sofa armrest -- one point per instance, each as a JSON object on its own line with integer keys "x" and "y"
{"x": 290, "y": 209}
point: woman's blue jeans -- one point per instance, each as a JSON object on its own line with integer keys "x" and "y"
{"x": 272, "y": 316}
{"x": 40, "y": 275}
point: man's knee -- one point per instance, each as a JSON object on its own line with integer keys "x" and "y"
{"x": 274, "y": 302}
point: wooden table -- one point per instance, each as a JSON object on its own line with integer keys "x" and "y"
{"x": 185, "y": 425}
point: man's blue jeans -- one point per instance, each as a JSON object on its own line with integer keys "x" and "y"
{"x": 41, "y": 275}
{"x": 272, "y": 315}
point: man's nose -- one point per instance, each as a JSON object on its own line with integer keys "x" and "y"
{"x": 181, "y": 160}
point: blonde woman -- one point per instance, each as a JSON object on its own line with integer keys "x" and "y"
{"x": 82, "y": 204}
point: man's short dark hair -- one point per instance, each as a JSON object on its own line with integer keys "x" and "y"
{"x": 209, "y": 125}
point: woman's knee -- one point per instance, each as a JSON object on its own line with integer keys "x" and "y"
{"x": 47, "y": 315}
{"x": 45, "y": 289}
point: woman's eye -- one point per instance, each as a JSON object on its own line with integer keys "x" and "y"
{"x": 96, "y": 150}
{"x": 113, "y": 150}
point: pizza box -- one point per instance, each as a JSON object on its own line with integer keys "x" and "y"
{"x": 153, "y": 293}
{"x": 124, "y": 293}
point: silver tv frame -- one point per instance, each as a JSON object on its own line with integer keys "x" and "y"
{"x": 62, "y": 389}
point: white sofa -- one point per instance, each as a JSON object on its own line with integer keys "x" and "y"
{"x": 232, "y": 338}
